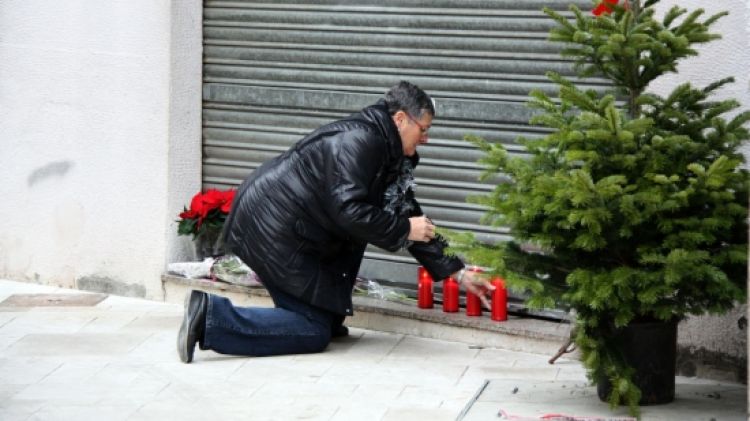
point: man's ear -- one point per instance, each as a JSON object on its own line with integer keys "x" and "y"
{"x": 398, "y": 118}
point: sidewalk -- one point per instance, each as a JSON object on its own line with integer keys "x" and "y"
{"x": 116, "y": 360}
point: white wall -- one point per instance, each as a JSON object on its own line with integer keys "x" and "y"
{"x": 729, "y": 56}
{"x": 88, "y": 166}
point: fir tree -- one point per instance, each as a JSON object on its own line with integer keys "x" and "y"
{"x": 634, "y": 207}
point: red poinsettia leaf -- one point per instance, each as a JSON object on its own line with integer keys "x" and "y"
{"x": 213, "y": 199}
{"x": 228, "y": 199}
{"x": 189, "y": 214}
{"x": 208, "y": 212}
{"x": 604, "y": 7}
{"x": 196, "y": 205}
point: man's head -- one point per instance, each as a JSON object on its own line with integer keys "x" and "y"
{"x": 412, "y": 111}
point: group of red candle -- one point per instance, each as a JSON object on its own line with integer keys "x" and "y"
{"x": 450, "y": 296}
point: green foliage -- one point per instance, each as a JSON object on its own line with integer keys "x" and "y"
{"x": 622, "y": 213}
{"x": 630, "y": 46}
{"x": 212, "y": 224}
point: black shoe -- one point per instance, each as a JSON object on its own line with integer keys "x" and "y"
{"x": 339, "y": 331}
{"x": 193, "y": 325}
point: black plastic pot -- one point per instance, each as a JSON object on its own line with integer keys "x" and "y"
{"x": 651, "y": 349}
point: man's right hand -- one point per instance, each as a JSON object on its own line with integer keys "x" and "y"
{"x": 421, "y": 229}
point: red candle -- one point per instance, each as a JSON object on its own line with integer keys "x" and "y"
{"x": 499, "y": 300}
{"x": 450, "y": 295}
{"x": 473, "y": 304}
{"x": 424, "y": 289}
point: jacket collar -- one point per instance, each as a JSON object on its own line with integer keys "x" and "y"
{"x": 377, "y": 115}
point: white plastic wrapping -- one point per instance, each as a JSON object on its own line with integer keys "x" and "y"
{"x": 231, "y": 269}
{"x": 192, "y": 270}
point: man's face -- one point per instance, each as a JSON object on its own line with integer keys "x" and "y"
{"x": 413, "y": 130}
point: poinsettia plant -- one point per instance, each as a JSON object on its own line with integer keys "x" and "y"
{"x": 207, "y": 213}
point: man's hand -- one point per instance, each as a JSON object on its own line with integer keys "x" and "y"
{"x": 479, "y": 285}
{"x": 421, "y": 229}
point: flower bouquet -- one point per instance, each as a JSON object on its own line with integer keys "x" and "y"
{"x": 204, "y": 220}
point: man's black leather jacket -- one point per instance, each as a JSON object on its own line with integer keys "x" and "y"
{"x": 302, "y": 220}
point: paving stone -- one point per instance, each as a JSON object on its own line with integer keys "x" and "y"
{"x": 8, "y": 340}
{"x": 50, "y": 393}
{"x": 375, "y": 394}
{"x": 497, "y": 357}
{"x": 82, "y": 412}
{"x": 117, "y": 303}
{"x": 120, "y": 374}
{"x": 175, "y": 410}
{"x": 533, "y": 361}
{"x": 104, "y": 322}
{"x": 455, "y": 405}
{"x": 522, "y": 373}
{"x": 14, "y": 413}
{"x": 284, "y": 370}
{"x": 74, "y": 345}
{"x": 8, "y": 390}
{"x": 325, "y": 392}
{"x": 391, "y": 375}
{"x": 215, "y": 373}
{"x": 73, "y": 372}
{"x": 155, "y": 322}
{"x": 398, "y": 413}
{"x": 422, "y": 348}
{"x": 282, "y": 408}
{"x": 47, "y": 322}
{"x": 6, "y": 317}
{"x": 577, "y": 374}
{"x": 373, "y": 346}
{"x": 536, "y": 399}
{"x": 24, "y": 370}
{"x": 52, "y": 300}
{"x": 366, "y": 411}
{"x": 159, "y": 346}
{"x": 428, "y": 395}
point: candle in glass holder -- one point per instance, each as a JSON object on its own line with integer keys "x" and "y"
{"x": 450, "y": 295}
{"x": 424, "y": 288}
{"x": 499, "y": 300}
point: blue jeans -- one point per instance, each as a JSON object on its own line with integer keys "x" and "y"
{"x": 292, "y": 327}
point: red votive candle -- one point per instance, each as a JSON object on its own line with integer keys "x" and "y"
{"x": 499, "y": 300}
{"x": 450, "y": 295}
{"x": 421, "y": 271}
{"x": 473, "y": 303}
{"x": 424, "y": 288}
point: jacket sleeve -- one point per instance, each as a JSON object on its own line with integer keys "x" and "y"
{"x": 352, "y": 170}
{"x": 431, "y": 255}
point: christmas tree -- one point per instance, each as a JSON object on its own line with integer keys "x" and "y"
{"x": 634, "y": 207}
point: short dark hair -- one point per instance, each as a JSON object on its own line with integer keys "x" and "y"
{"x": 406, "y": 96}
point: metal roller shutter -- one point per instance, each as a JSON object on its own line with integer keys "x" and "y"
{"x": 274, "y": 71}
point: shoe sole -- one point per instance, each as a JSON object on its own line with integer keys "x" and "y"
{"x": 183, "y": 336}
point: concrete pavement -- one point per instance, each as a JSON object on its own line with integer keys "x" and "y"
{"x": 71, "y": 355}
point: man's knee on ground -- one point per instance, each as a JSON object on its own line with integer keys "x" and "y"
{"x": 319, "y": 342}
{"x": 323, "y": 342}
